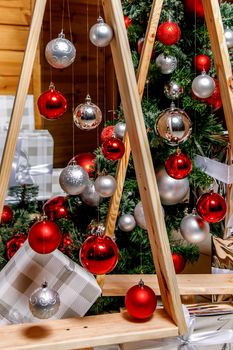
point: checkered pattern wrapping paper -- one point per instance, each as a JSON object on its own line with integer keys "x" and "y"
{"x": 56, "y": 188}
{"x": 27, "y": 270}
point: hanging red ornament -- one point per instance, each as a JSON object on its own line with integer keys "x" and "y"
{"x": 195, "y": 7}
{"x": 215, "y": 99}
{"x": 99, "y": 254}
{"x": 140, "y": 301}
{"x": 65, "y": 244}
{"x": 211, "y": 207}
{"x": 140, "y": 45}
{"x": 107, "y": 133}
{"x": 179, "y": 262}
{"x": 168, "y": 33}
{"x": 44, "y": 237}
{"x": 87, "y": 161}
{"x": 56, "y": 208}
{"x": 113, "y": 149}
{"x": 52, "y": 104}
{"x": 7, "y": 215}
{"x": 178, "y": 165}
{"x": 202, "y": 62}
{"x": 128, "y": 21}
{"x": 14, "y": 243}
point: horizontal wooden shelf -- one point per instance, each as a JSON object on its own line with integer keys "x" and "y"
{"x": 79, "y": 333}
{"x": 195, "y": 284}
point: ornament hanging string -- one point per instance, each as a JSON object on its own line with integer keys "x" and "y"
{"x": 50, "y": 37}
{"x": 88, "y": 67}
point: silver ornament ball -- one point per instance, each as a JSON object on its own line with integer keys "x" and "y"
{"x": 228, "y": 33}
{"x": 105, "y": 185}
{"x": 60, "y": 52}
{"x": 87, "y": 116}
{"x": 101, "y": 33}
{"x": 44, "y": 302}
{"x": 167, "y": 64}
{"x": 126, "y": 223}
{"x": 89, "y": 196}
{"x": 119, "y": 130}
{"x": 171, "y": 191}
{"x": 173, "y": 125}
{"x": 194, "y": 229}
{"x": 73, "y": 179}
{"x": 203, "y": 86}
{"x": 173, "y": 90}
{"x": 139, "y": 216}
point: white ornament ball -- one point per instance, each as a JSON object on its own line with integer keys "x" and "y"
{"x": 194, "y": 229}
{"x": 60, "y": 52}
{"x": 44, "y": 302}
{"x": 139, "y": 216}
{"x": 73, "y": 179}
{"x": 167, "y": 64}
{"x": 203, "y": 86}
{"x": 89, "y": 196}
{"x": 105, "y": 185}
{"x": 228, "y": 33}
{"x": 126, "y": 223}
{"x": 119, "y": 130}
{"x": 87, "y": 116}
{"x": 101, "y": 33}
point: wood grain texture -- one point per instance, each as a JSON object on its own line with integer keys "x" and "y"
{"x": 143, "y": 163}
{"x": 13, "y": 38}
{"x": 19, "y": 15}
{"x": 79, "y": 333}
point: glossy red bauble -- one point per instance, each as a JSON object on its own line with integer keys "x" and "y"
{"x": 107, "y": 133}
{"x": 202, "y": 62}
{"x": 215, "y": 99}
{"x": 128, "y": 21}
{"x": 179, "y": 262}
{"x": 7, "y": 215}
{"x": 168, "y": 33}
{"x": 14, "y": 243}
{"x": 66, "y": 244}
{"x": 52, "y": 104}
{"x": 178, "y": 165}
{"x": 44, "y": 237}
{"x": 87, "y": 161}
{"x": 211, "y": 207}
{"x": 99, "y": 254}
{"x": 113, "y": 149}
{"x": 140, "y": 301}
{"x": 56, "y": 208}
{"x": 195, "y": 7}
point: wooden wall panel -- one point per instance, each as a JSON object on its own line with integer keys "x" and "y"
{"x": 15, "y": 12}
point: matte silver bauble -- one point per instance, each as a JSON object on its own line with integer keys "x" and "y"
{"x": 171, "y": 191}
{"x": 139, "y": 216}
{"x": 73, "y": 179}
{"x": 194, "y": 229}
{"x": 105, "y": 185}
{"x": 89, "y": 196}
{"x": 167, "y": 64}
{"x": 126, "y": 223}
{"x": 101, "y": 33}
{"x": 44, "y": 302}
{"x": 173, "y": 125}
{"x": 203, "y": 86}
{"x": 173, "y": 90}
{"x": 60, "y": 52}
{"x": 87, "y": 116}
{"x": 119, "y": 130}
{"x": 228, "y": 33}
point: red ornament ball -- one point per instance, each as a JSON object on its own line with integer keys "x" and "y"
{"x": 194, "y": 7}
{"x": 168, "y": 33}
{"x": 7, "y": 215}
{"x": 44, "y": 237}
{"x": 87, "y": 161}
{"x": 215, "y": 99}
{"x": 56, "y": 208}
{"x": 179, "y": 262}
{"x": 128, "y": 21}
{"x": 178, "y": 165}
{"x": 140, "y": 301}
{"x": 140, "y": 45}
{"x": 202, "y": 62}
{"x": 52, "y": 104}
{"x": 14, "y": 243}
{"x": 211, "y": 207}
{"x": 113, "y": 149}
{"x": 107, "y": 133}
{"x": 99, "y": 254}
{"x": 66, "y": 244}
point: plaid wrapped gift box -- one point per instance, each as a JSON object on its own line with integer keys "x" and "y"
{"x": 27, "y": 270}
{"x": 56, "y": 188}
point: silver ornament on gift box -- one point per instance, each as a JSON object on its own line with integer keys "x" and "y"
{"x": 126, "y": 223}
{"x": 60, "y": 52}
{"x": 101, "y": 33}
{"x": 44, "y": 302}
{"x": 167, "y": 64}
{"x": 203, "y": 85}
{"x": 194, "y": 229}
{"x": 87, "y": 116}
{"x": 105, "y": 185}
{"x": 119, "y": 130}
{"x": 173, "y": 90}
{"x": 89, "y": 196}
{"x": 173, "y": 125}
{"x": 171, "y": 191}
{"x": 139, "y": 216}
{"x": 228, "y": 33}
{"x": 73, "y": 179}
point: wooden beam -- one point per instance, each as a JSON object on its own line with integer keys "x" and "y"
{"x": 143, "y": 163}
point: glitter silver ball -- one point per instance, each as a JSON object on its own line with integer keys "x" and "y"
{"x": 105, "y": 185}
{"x": 173, "y": 125}
{"x": 44, "y": 302}
{"x": 228, "y": 33}
{"x": 101, "y": 33}
{"x": 173, "y": 90}
{"x": 167, "y": 64}
{"x": 89, "y": 196}
{"x": 119, "y": 130}
{"x": 194, "y": 229}
{"x": 87, "y": 116}
{"x": 126, "y": 223}
{"x": 203, "y": 86}
{"x": 139, "y": 216}
{"x": 60, "y": 52}
{"x": 73, "y": 179}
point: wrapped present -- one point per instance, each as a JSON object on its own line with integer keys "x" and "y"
{"x": 56, "y": 188}
{"x": 27, "y": 270}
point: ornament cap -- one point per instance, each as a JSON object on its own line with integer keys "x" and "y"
{"x": 141, "y": 283}
{"x": 61, "y": 35}
{"x": 194, "y": 211}
{"x": 173, "y": 106}
{"x": 100, "y": 231}
{"x": 44, "y": 285}
{"x": 100, "y": 19}
{"x": 88, "y": 99}
{"x": 51, "y": 86}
